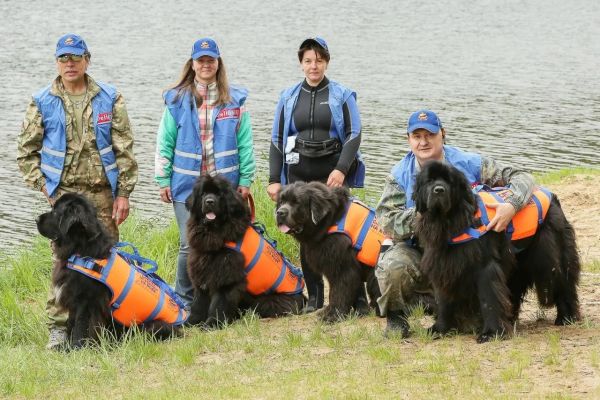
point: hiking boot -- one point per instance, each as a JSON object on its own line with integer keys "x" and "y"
{"x": 396, "y": 325}
{"x": 57, "y": 339}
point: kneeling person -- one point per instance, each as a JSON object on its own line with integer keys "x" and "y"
{"x": 401, "y": 281}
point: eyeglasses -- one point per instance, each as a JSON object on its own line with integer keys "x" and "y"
{"x": 66, "y": 57}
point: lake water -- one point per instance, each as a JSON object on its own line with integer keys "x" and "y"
{"x": 515, "y": 80}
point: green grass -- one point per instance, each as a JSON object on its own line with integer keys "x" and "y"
{"x": 592, "y": 266}
{"x": 558, "y": 176}
{"x": 295, "y": 357}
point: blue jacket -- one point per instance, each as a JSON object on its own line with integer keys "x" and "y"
{"x": 187, "y": 159}
{"x": 54, "y": 144}
{"x": 405, "y": 171}
{"x": 338, "y": 95}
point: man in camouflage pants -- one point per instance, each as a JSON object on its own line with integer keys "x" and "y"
{"x": 76, "y": 137}
{"x": 401, "y": 282}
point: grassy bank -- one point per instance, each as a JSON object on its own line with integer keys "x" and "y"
{"x": 295, "y": 357}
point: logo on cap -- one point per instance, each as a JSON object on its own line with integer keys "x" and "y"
{"x": 204, "y": 45}
{"x": 69, "y": 41}
{"x": 422, "y": 117}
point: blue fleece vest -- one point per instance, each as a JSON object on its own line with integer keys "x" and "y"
{"x": 338, "y": 95}
{"x": 405, "y": 171}
{"x": 54, "y": 143}
{"x": 187, "y": 160}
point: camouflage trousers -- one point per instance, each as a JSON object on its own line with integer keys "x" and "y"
{"x": 103, "y": 201}
{"x": 400, "y": 280}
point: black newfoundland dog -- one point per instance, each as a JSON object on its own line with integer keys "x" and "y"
{"x": 74, "y": 229}
{"x": 220, "y": 274}
{"x": 307, "y": 211}
{"x": 483, "y": 278}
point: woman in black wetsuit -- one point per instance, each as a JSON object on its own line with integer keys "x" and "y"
{"x": 315, "y": 137}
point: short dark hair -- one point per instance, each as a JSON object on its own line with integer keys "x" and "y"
{"x": 313, "y": 45}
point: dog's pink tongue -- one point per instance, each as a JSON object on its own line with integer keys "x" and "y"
{"x": 284, "y": 228}
{"x": 211, "y": 216}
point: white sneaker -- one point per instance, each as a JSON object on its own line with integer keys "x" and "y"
{"x": 57, "y": 339}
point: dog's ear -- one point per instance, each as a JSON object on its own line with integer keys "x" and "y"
{"x": 193, "y": 202}
{"x": 236, "y": 206}
{"x": 318, "y": 203}
{"x": 420, "y": 190}
{"x": 78, "y": 221}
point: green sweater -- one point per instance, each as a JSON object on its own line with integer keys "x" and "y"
{"x": 167, "y": 138}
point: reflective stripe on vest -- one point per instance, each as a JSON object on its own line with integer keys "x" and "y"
{"x": 137, "y": 295}
{"x": 187, "y": 160}
{"x": 267, "y": 270}
{"x": 360, "y": 225}
{"x": 524, "y": 224}
{"x": 54, "y": 140}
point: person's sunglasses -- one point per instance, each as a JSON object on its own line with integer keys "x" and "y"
{"x": 66, "y": 57}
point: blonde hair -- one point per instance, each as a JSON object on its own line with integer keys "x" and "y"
{"x": 186, "y": 83}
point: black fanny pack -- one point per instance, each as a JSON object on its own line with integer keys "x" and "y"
{"x": 317, "y": 149}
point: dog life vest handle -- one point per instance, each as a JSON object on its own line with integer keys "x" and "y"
{"x": 135, "y": 256}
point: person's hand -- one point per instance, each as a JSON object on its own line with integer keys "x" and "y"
{"x": 244, "y": 191}
{"x": 50, "y": 200}
{"x": 273, "y": 190}
{"x": 336, "y": 178}
{"x": 165, "y": 194}
{"x": 504, "y": 214}
{"x": 120, "y": 209}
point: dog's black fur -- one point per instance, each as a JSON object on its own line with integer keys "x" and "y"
{"x": 482, "y": 277}
{"x": 218, "y": 214}
{"x": 307, "y": 211}
{"x": 74, "y": 228}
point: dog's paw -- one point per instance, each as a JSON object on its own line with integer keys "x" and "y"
{"x": 362, "y": 308}
{"x": 437, "y": 332}
{"x": 330, "y": 315}
{"x": 562, "y": 320}
{"x": 490, "y": 335}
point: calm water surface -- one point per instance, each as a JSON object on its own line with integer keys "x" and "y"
{"x": 516, "y": 80}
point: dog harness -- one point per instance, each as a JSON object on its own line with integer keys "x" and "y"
{"x": 138, "y": 295}
{"x": 267, "y": 270}
{"x": 360, "y": 225}
{"x": 524, "y": 224}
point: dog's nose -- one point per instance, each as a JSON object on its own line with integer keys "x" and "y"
{"x": 438, "y": 189}
{"x": 209, "y": 201}
{"x": 282, "y": 213}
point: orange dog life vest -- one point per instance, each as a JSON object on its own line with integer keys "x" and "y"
{"x": 360, "y": 225}
{"x": 267, "y": 270}
{"x": 138, "y": 295}
{"x": 524, "y": 224}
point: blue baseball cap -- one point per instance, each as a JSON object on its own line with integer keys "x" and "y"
{"x": 70, "y": 44}
{"x": 318, "y": 40}
{"x": 425, "y": 119}
{"x": 205, "y": 47}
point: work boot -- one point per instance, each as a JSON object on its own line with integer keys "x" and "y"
{"x": 57, "y": 339}
{"x": 396, "y": 325}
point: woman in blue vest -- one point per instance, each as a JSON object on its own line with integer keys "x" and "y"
{"x": 400, "y": 280}
{"x": 316, "y": 135}
{"x": 205, "y": 130}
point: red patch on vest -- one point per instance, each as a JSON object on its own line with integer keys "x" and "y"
{"x": 228, "y": 113}
{"x": 104, "y": 118}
